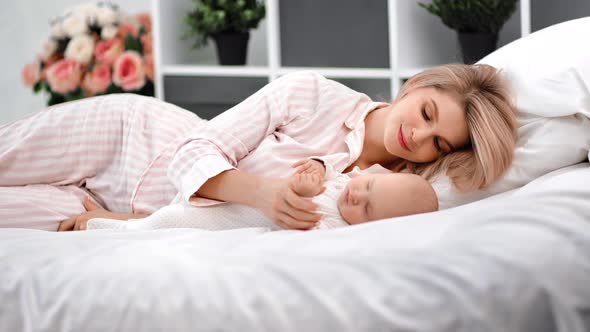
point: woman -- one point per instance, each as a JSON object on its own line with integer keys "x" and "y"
{"x": 457, "y": 119}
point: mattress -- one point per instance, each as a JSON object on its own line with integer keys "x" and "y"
{"x": 519, "y": 261}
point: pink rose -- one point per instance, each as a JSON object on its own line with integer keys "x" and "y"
{"x": 98, "y": 80}
{"x": 125, "y": 29}
{"x": 52, "y": 59}
{"x": 107, "y": 51}
{"x": 47, "y": 63}
{"x": 148, "y": 66}
{"x": 129, "y": 73}
{"x": 31, "y": 74}
{"x": 146, "y": 43}
{"x": 145, "y": 20}
{"x": 64, "y": 76}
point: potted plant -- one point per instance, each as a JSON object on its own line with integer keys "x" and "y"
{"x": 228, "y": 22}
{"x": 476, "y": 21}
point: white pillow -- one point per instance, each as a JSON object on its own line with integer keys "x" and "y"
{"x": 549, "y": 71}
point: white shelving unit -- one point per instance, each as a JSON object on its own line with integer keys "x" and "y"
{"x": 417, "y": 40}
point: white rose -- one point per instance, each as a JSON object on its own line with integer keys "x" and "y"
{"x": 80, "y": 49}
{"x": 75, "y": 24}
{"x": 89, "y": 11}
{"x": 47, "y": 49}
{"x": 108, "y": 32}
{"x": 105, "y": 16}
{"x": 57, "y": 30}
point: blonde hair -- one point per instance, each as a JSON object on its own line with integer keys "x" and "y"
{"x": 490, "y": 116}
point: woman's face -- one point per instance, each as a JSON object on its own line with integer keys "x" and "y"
{"x": 425, "y": 124}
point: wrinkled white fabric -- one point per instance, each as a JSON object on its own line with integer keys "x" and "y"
{"x": 517, "y": 263}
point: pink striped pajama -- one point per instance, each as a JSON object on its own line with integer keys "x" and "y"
{"x": 134, "y": 154}
{"x": 100, "y": 146}
{"x": 298, "y": 116}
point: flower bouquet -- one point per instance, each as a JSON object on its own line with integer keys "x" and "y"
{"x": 94, "y": 49}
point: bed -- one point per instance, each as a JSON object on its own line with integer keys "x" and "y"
{"x": 514, "y": 257}
{"x": 522, "y": 265}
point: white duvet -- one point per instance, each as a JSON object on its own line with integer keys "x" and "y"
{"x": 519, "y": 261}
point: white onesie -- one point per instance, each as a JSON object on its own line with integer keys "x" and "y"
{"x": 228, "y": 215}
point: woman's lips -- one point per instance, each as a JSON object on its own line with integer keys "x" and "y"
{"x": 401, "y": 139}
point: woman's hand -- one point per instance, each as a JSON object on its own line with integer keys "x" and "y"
{"x": 78, "y": 222}
{"x": 310, "y": 166}
{"x": 278, "y": 201}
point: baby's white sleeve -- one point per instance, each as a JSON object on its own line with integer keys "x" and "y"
{"x": 327, "y": 202}
{"x": 214, "y": 218}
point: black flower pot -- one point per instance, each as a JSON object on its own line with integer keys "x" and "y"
{"x": 476, "y": 45}
{"x": 232, "y": 47}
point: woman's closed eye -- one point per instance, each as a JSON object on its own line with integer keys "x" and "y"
{"x": 436, "y": 141}
{"x": 425, "y": 115}
{"x": 437, "y": 145}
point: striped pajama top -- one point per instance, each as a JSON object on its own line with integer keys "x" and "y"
{"x": 298, "y": 116}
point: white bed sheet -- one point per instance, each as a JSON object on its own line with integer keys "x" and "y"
{"x": 519, "y": 261}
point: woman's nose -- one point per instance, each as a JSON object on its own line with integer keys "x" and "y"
{"x": 421, "y": 135}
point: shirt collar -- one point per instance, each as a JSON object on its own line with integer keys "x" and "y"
{"x": 358, "y": 116}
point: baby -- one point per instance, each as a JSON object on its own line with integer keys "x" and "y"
{"x": 342, "y": 201}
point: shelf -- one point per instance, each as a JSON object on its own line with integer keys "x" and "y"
{"x": 262, "y": 71}
{"x": 343, "y": 72}
{"x": 195, "y": 70}
{"x": 402, "y": 41}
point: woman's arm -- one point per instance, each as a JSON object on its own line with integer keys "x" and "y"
{"x": 223, "y": 141}
{"x": 274, "y": 197}
{"x": 206, "y": 162}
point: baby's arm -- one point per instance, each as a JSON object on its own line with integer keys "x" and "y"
{"x": 165, "y": 217}
{"x": 309, "y": 177}
{"x": 307, "y": 185}
{"x": 213, "y": 218}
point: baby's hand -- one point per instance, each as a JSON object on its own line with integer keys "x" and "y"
{"x": 306, "y": 185}
{"x": 310, "y": 166}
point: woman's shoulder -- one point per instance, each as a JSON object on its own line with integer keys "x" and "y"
{"x": 310, "y": 78}
{"x": 304, "y": 74}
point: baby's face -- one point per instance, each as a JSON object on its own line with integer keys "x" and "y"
{"x": 379, "y": 196}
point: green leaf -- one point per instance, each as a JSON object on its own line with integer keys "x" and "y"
{"x": 133, "y": 44}
{"x": 113, "y": 89}
{"x": 38, "y": 87}
{"x": 472, "y": 15}
{"x": 147, "y": 89}
{"x": 75, "y": 95}
{"x": 45, "y": 86}
{"x": 55, "y": 98}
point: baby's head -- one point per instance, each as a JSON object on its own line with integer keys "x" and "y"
{"x": 377, "y": 196}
